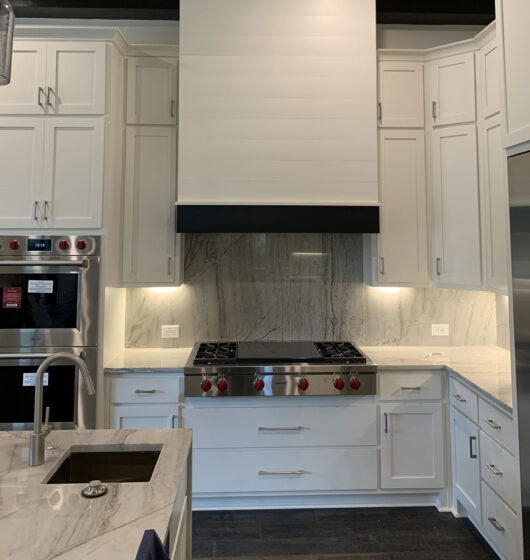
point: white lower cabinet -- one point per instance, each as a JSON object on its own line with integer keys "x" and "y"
{"x": 466, "y": 466}
{"x": 144, "y": 417}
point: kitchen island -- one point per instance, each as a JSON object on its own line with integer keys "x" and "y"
{"x": 40, "y": 521}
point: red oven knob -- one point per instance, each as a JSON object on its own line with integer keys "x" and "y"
{"x": 206, "y": 385}
{"x": 259, "y": 384}
{"x": 81, "y": 245}
{"x": 13, "y": 245}
{"x": 303, "y": 384}
{"x": 339, "y": 383}
{"x": 63, "y": 245}
{"x": 355, "y": 384}
{"x": 222, "y": 385}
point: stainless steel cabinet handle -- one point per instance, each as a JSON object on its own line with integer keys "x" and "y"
{"x": 380, "y": 111}
{"x": 274, "y": 473}
{"x": 48, "y": 97}
{"x": 145, "y": 391}
{"x": 39, "y": 102}
{"x": 36, "y": 208}
{"x": 83, "y": 263}
{"x": 438, "y": 261}
{"x": 386, "y": 423}
{"x": 173, "y": 418}
{"x": 434, "y": 110}
{"x": 382, "y": 271}
{"x": 459, "y": 398}
{"x": 411, "y": 388}
{"x": 494, "y": 470}
{"x": 294, "y": 429}
{"x": 169, "y": 266}
{"x": 30, "y": 356}
{"x": 496, "y": 524}
{"x": 491, "y": 423}
{"x": 46, "y": 208}
{"x": 471, "y": 454}
{"x": 172, "y": 109}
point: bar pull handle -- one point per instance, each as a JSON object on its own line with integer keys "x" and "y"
{"x": 386, "y": 422}
{"x": 294, "y": 429}
{"x": 172, "y": 109}
{"x": 459, "y": 398}
{"x": 382, "y": 270}
{"x": 46, "y": 209}
{"x": 434, "y": 110}
{"x": 438, "y": 262}
{"x": 494, "y": 470}
{"x": 471, "y": 454}
{"x": 39, "y": 101}
{"x": 496, "y": 524}
{"x": 82, "y": 264}
{"x": 172, "y": 419}
{"x": 277, "y": 473}
{"x": 411, "y": 388}
{"x": 380, "y": 111}
{"x": 169, "y": 266}
{"x": 36, "y": 209}
{"x": 492, "y": 423}
{"x": 49, "y": 96}
{"x": 145, "y": 391}
{"x": 29, "y": 356}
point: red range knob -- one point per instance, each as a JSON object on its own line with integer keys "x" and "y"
{"x": 303, "y": 384}
{"x": 13, "y": 245}
{"x": 206, "y": 385}
{"x": 63, "y": 245}
{"x": 222, "y": 385}
{"x": 355, "y": 384}
{"x": 81, "y": 245}
{"x": 339, "y": 383}
{"x": 259, "y": 384}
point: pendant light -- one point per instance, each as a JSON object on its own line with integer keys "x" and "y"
{"x": 7, "y": 24}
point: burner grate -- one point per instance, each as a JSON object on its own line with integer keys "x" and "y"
{"x": 340, "y": 351}
{"x": 216, "y": 353}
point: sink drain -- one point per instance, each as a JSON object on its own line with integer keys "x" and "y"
{"x": 95, "y": 489}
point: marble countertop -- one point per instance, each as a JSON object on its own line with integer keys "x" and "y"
{"x": 486, "y": 368}
{"x": 44, "y": 521}
{"x": 149, "y": 360}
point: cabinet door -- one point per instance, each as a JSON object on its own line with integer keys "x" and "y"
{"x": 149, "y": 217}
{"x": 401, "y": 94}
{"x": 494, "y": 191}
{"x": 144, "y": 417}
{"x": 457, "y": 258}
{"x": 488, "y": 80}
{"x": 403, "y": 248}
{"x": 25, "y": 94}
{"x": 466, "y": 466}
{"x": 21, "y": 142}
{"x": 453, "y": 89}
{"x": 76, "y": 78}
{"x": 152, "y": 90}
{"x": 412, "y": 446}
{"x": 73, "y": 172}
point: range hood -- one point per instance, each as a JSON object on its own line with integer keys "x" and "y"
{"x": 277, "y": 117}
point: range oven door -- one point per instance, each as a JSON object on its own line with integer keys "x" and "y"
{"x": 49, "y": 302}
{"x": 64, "y": 391}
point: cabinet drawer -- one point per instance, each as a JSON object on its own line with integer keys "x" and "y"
{"x": 145, "y": 389}
{"x": 284, "y": 470}
{"x": 463, "y": 399}
{"x": 497, "y": 425}
{"x": 500, "y": 524}
{"x": 497, "y": 468}
{"x": 410, "y": 386}
{"x": 304, "y": 426}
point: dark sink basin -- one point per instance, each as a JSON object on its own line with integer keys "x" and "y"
{"x": 108, "y": 463}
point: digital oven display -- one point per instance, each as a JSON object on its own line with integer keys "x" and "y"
{"x": 39, "y": 244}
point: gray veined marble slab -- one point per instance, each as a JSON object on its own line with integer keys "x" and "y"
{"x": 44, "y": 522}
{"x": 149, "y": 360}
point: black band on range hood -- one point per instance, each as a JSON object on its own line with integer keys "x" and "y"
{"x": 276, "y": 219}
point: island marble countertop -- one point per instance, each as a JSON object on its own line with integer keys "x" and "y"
{"x": 53, "y": 521}
{"x": 486, "y": 368}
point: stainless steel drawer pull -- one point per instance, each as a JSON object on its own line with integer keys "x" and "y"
{"x": 294, "y": 429}
{"x": 145, "y": 391}
{"x": 459, "y": 398}
{"x": 411, "y": 388}
{"x": 491, "y": 423}
{"x": 471, "y": 454}
{"x": 496, "y": 524}
{"x": 274, "y": 473}
{"x": 494, "y": 470}
{"x": 438, "y": 261}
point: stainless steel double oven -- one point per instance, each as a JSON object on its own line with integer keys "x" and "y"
{"x": 49, "y": 299}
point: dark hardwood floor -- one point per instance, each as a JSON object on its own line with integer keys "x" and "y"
{"x": 337, "y": 534}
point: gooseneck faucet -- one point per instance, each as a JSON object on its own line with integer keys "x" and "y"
{"x": 38, "y": 437}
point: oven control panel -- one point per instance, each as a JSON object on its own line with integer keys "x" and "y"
{"x": 49, "y": 246}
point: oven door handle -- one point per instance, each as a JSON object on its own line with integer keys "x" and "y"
{"x": 82, "y": 263}
{"x": 30, "y": 356}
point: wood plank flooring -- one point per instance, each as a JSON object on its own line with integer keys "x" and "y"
{"x": 337, "y": 534}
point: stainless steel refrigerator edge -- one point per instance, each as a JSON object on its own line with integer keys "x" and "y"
{"x": 519, "y": 191}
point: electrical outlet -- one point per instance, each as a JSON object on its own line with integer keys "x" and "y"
{"x": 170, "y": 331}
{"x": 440, "y": 330}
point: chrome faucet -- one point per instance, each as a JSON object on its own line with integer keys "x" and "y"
{"x": 38, "y": 437}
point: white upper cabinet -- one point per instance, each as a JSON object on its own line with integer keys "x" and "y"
{"x": 56, "y": 78}
{"x": 514, "y": 38}
{"x": 152, "y": 90}
{"x": 488, "y": 80}
{"x": 457, "y": 248}
{"x": 401, "y": 99}
{"x": 453, "y": 89}
{"x": 21, "y": 141}
{"x": 403, "y": 242}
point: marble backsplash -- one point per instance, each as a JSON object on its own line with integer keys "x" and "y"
{"x": 298, "y": 286}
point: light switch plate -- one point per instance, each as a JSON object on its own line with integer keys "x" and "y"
{"x": 440, "y": 329}
{"x": 170, "y": 331}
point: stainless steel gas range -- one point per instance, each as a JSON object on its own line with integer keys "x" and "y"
{"x": 268, "y": 369}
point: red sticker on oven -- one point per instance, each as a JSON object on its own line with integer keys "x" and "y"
{"x": 12, "y": 298}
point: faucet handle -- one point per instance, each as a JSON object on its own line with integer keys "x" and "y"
{"x": 46, "y": 429}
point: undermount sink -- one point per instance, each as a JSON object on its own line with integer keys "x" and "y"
{"x": 108, "y": 463}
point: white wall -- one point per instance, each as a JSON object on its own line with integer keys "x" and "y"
{"x": 422, "y": 36}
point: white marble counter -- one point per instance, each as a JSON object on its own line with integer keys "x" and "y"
{"x": 149, "y": 360}
{"x": 44, "y": 522}
{"x": 486, "y": 368}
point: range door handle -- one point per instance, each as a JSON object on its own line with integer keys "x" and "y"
{"x": 81, "y": 263}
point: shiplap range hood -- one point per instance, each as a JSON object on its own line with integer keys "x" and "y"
{"x": 277, "y": 123}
